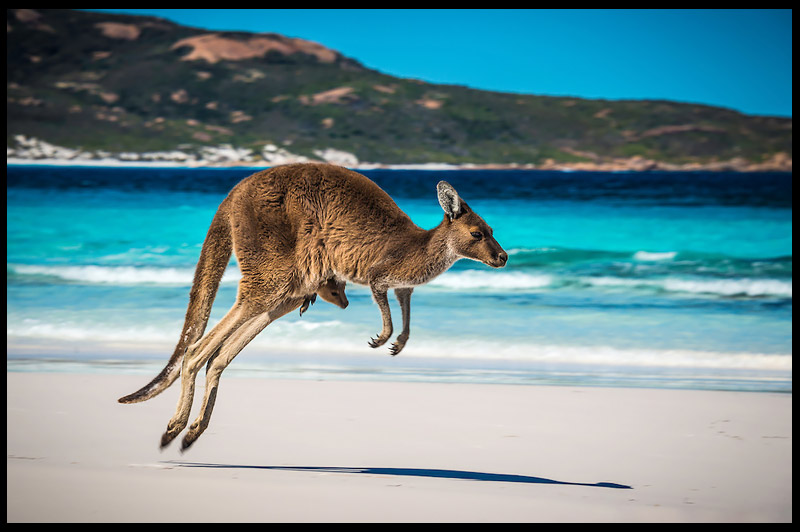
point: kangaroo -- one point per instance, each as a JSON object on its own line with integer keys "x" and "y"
{"x": 293, "y": 228}
{"x": 332, "y": 292}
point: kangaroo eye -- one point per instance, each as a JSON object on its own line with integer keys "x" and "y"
{"x": 477, "y": 234}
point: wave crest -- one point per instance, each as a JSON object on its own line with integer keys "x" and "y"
{"x": 478, "y": 280}
{"x": 119, "y": 275}
{"x": 647, "y": 256}
{"x": 718, "y": 287}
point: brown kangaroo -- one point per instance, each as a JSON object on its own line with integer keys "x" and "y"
{"x": 293, "y": 229}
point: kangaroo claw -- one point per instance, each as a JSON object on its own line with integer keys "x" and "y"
{"x": 376, "y": 342}
{"x": 396, "y": 348}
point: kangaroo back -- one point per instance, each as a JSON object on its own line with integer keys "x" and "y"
{"x": 211, "y": 266}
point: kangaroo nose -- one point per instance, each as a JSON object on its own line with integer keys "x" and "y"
{"x": 501, "y": 257}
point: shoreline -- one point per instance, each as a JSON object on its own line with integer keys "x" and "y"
{"x": 264, "y": 360}
{"x": 37, "y": 151}
{"x": 332, "y": 451}
{"x": 635, "y": 166}
{"x": 362, "y": 370}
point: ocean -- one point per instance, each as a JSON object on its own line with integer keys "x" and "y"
{"x": 665, "y": 280}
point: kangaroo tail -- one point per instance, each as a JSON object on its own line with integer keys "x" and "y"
{"x": 213, "y": 260}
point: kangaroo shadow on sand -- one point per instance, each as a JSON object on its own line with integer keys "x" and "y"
{"x": 405, "y": 472}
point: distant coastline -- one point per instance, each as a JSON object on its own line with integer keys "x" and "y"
{"x": 35, "y": 151}
{"x": 634, "y": 166}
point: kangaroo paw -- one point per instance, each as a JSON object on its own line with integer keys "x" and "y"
{"x": 399, "y": 344}
{"x": 188, "y": 440}
{"x": 396, "y": 348}
{"x": 377, "y": 342}
{"x": 167, "y": 438}
{"x": 173, "y": 429}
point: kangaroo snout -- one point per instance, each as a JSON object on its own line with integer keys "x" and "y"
{"x": 497, "y": 255}
{"x": 499, "y": 259}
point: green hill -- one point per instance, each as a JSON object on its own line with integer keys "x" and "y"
{"x": 134, "y": 84}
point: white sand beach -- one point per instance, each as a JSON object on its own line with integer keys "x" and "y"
{"x": 336, "y": 451}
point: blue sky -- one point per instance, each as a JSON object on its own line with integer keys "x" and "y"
{"x": 739, "y": 59}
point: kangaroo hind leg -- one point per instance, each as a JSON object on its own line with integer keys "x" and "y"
{"x": 197, "y": 356}
{"x": 232, "y": 347}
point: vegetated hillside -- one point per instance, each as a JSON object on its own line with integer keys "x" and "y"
{"x": 133, "y": 84}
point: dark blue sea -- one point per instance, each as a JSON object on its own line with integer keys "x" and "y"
{"x": 676, "y": 280}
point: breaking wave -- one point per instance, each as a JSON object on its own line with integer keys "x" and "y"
{"x": 718, "y": 287}
{"x": 481, "y": 280}
{"x": 117, "y": 275}
{"x": 456, "y": 280}
{"x": 316, "y": 337}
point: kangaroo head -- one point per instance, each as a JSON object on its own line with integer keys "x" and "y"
{"x": 332, "y": 291}
{"x": 469, "y": 236}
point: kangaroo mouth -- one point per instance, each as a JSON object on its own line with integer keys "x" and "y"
{"x": 498, "y": 261}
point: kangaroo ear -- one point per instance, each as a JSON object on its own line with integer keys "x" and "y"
{"x": 448, "y": 199}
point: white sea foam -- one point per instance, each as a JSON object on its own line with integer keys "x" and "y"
{"x": 654, "y": 255}
{"x": 122, "y": 275}
{"x": 732, "y": 287}
{"x": 287, "y": 333}
{"x": 499, "y": 281}
{"x": 132, "y": 275}
{"x": 339, "y": 340}
{"x": 90, "y": 332}
{"x": 516, "y": 251}
{"x": 718, "y": 287}
{"x": 599, "y": 355}
{"x": 480, "y": 280}
{"x": 516, "y": 281}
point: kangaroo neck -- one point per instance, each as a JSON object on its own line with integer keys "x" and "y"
{"x": 431, "y": 257}
{"x": 439, "y": 248}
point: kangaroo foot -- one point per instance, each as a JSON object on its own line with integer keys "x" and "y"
{"x": 396, "y": 348}
{"x": 398, "y": 345}
{"x": 382, "y": 338}
{"x": 377, "y": 342}
{"x": 167, "y": 437}
{"x": 188, "y": 440}
{"x": 173, "y": 429}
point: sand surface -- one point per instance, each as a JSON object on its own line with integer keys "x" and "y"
{"x": 333, "y": 451}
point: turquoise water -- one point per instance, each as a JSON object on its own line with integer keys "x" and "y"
{"x": 665, "y": 280}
